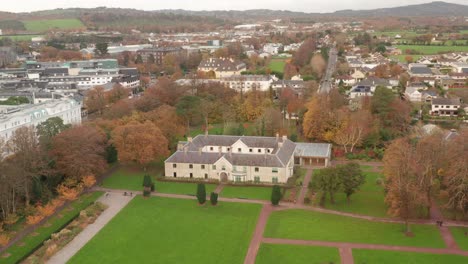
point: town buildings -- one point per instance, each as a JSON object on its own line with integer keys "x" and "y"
{"x": 157, "y": 54}
{"x": 14, "y": 117}
{"x": 222, "y": 67}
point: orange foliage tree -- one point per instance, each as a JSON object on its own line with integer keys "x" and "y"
{"x": 140, "y": 143}
{"x": 80, "y": 151}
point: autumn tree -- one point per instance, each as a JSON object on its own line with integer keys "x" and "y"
{"x": 289, "y": 71}
{"x": 189, "y": 108}
{"x": 139, "y": 143}
{"x": 353, "y": 128}
{"x": 305, "y": 52}
{"x": 26, "y": 157}
{"x": 117, "y": 93}
{"x": 95, "y": 100}
{"x": 403, "y": 197}
{"x": 318, "y": 64}
{"x": 166, "y": 119}
{"x": 80, "y": 151}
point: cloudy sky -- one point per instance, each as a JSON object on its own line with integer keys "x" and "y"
{"x": 294, "y": 5}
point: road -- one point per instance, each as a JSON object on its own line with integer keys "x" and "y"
{"x": 327, "y": 82}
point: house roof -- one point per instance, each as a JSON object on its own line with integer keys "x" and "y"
{"x": 322, "y": 150}
{"x": 283, "y": 150}
{"x": 222, "y": 64}
{"x": 421, "y": 70}
{"x": 374, "y": 81}
{"x": 446, "y": 101}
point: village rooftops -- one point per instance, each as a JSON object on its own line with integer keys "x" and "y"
{"x": 446, "y": 101}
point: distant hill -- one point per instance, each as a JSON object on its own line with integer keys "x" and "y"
{"x": 430, "y": 9}
{"x": 123, "y": 19}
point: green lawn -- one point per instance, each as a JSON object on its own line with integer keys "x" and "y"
{"x": 301, "y": 224}
{"x": 246, "y": 192}
{"x": 432, "y": 49}
{"x": 44, "y": 25}
{"x": 293, "y": 254}
{"x": 277, "y": 65}
{"x": 164, "y": 230}
{"x": 401, "y": 58}
{"x": 126, "y": 179}
{"x": 181, "y": 188}
{"x": 53, "y": 225}
{"x": 21, "y": 37}
{"x": 366, "y": 167}
{"x": 367, "y": 256}
{"x": 460, "y": 237}
{"x": 369, "y": 200}
{"x": 216, "y": 129}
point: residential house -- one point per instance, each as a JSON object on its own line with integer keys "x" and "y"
{"x": 367, "y": 87}
{"x": 445, "y": 106}
{"x": 243, "y": 158}
{"x": 245, "y": 83}
{"x": 222, "y": 67}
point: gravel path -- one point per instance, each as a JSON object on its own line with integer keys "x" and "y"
{"x": 115, "y": 203}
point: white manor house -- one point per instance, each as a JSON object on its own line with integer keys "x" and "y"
{"x": 243, "y": 158}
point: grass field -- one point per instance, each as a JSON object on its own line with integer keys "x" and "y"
{"x": 257, "y": 193}
{"x": 365, "y": 256}
{"x": 292, "y": 254}
{"x": 44, "y": 25}
{"x": 402, "y": 58}
{"x": 21, "y": 37}
{"x": 431, "y": 50}
{"x": 460, "y": 237}
{"x": 277, "y": 65}
{"x": 369, "y": 200}
{"x": 300, "y": 224}
{"x": 164, "y": 230}
{"x": 53, "y": 225}
{"x": 125, "y": 179}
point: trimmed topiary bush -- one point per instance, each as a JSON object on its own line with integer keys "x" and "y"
{"x": 201, "y": 193}
{"x": 214, "y": 198}
{"x": 275, "y": 195}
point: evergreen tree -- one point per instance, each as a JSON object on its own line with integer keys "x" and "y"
{"x": 201, "y": 193}
{"x": 275, "y": 195}
{"x": 214, "y": 198}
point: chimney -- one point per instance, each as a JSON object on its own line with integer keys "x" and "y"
{"x": 285, "y": 137}
{"x": 185, "y": 149}
{"x": 277, "y": 136}
{"x": 206, "y": 132}
{"x": 199, "y": 151}
{"x": 189, "y": 139}
{"x": 220, "y": 150}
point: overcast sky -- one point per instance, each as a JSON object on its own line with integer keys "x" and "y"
{"x": 293, "y": 5}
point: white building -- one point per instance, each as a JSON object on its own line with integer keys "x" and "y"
{"x": 273, "y": 48}
{"x": 243, "y": 159}
{"x": 14, "y": 117}
{"x": 245, "y": 83}
{"x": 445, "y": 106}
{"x": 222, "y": 67}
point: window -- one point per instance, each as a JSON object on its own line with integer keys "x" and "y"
{"x": 223, "y": 168}
{"x": 436, "y": 106}
{"x": 256, "y": 179}
{"x": 228, "y": 149}
{"x": 268, "y": 151}
{"x": 174, "y": 165}
{"x": 206, "y": 175}
{"x": 211, "y": 148}
{"x": 274, "y": 180}
{"x": 256, "y": 169}
{"x": 190, "y": 166}
{"x": 175, "y": 174}
{"x": 274, "y": 170}
{"x": 202, "y": 167}
{"x": 191, "y": 175}
{"x": 239, "y": 150}
{"x": 259, "y": 150}
{"x": 214, "y": 167}
{"x": 238, "y": 179}
{"x": 250, "y": 150}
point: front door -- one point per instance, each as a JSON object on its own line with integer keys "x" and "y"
{"x": 223, "y": 177}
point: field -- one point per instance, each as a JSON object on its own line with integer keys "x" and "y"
{"x": 164, "y": 230}
{"x": 292, "y": 254}
{"x": 432, "y": 50}
{"x": 460, "y": 234}
{"x": 255, "y": 193}
{"x": 364, "y": 256}
{"x": 22, "y": 248}
{"x": 124, "y": 179}
{"x": 308, "y": 225}
{"x": 21, "y": 37}
{"x": 367, "y": 201}
{"x": 44, "y": 25}
{"x": 277, "y": 65}
{"x": 402, "y": 58}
